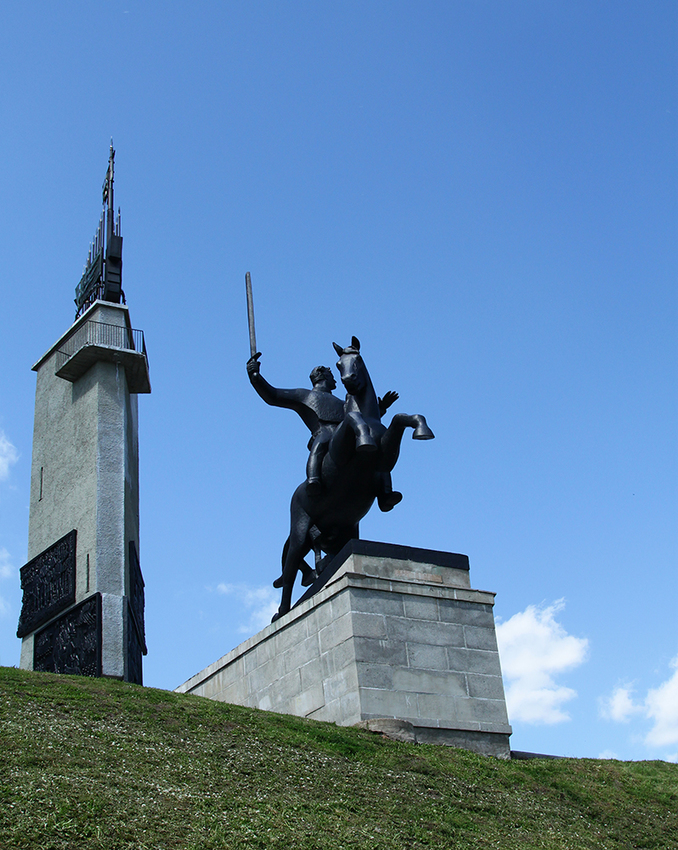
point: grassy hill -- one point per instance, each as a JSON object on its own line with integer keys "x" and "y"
{"x": 101, "y": 764}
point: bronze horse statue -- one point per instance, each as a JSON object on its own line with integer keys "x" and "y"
{"x": 361, "y": 451}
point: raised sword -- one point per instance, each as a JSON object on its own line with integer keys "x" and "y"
{"x": 250, "y": 314}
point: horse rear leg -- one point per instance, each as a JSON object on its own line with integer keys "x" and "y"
{"x": 308, "y": 576}
{"x": 297, "y": 548}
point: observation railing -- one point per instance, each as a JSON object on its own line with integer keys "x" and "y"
{"x": 101, "y": 334}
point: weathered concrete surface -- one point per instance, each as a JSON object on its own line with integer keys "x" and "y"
{"x": 85, "y": 476}
{"x": 384, "y": 639}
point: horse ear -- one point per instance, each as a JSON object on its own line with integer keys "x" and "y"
{"x": 338, "y": 349}
{"x": 355, "y": 343}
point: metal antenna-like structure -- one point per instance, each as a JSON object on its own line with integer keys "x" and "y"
{"x": 102, "y": 275}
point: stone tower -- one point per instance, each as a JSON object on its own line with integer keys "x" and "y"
{"x": 83, "y": 592}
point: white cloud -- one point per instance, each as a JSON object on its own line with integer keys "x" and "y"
{"x": 661, "y": 706}
{"x": 608, "y": 754}
{"x": 8, "y": 456}
{"x": 534, "y": 648}
{"x": 6, "y": 568}
{"x": 619, "y": 706}
{"x": 259, "y": 604}
{"x": 6, "y": 571}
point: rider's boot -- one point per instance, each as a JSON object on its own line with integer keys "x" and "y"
{"x": 387, "y": 497}
{"x": 388, "y": 501}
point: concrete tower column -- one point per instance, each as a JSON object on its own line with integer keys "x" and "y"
{"x": 83, "y": 592}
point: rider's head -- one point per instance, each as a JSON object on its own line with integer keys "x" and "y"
{"x": 322, "y": 374}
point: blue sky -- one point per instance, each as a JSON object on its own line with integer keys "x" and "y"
{"x": 485, "y": 194}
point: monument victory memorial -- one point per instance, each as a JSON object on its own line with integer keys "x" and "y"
{"x": 83, "y": 591}
{"x": 388, "y": 636}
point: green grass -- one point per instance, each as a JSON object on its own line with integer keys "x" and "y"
{"x": 97, "y": 763}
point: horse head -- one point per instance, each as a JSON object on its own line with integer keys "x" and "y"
{"x": 352, "y": 369}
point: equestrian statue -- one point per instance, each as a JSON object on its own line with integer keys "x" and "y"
{"x": 351, "y": 456}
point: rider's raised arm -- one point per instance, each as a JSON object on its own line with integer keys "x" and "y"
{"x": 293, "y": 399}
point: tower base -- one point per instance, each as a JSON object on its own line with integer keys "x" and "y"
{"x": 395, "y": 640}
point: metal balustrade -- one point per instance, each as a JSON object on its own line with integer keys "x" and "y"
{"x": 101, "y": 334}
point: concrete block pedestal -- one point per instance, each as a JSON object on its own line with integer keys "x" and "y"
{"x": 394, "y": 633}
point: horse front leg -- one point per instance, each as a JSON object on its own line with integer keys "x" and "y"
{"x": 342, "y": 444}
{"x": 392, "y": 438}
{"x": 364, "y": 441}
{"x": 421, "y": 429}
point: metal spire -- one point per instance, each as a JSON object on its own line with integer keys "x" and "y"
{"x": 102, "y": 277}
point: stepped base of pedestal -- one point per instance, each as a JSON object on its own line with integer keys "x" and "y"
{"x": 395, "y": 633}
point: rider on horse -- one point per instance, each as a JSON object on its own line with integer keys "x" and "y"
{"x": 321, "y": 412}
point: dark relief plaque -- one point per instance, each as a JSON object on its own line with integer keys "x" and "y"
{"x": 48, "y": 583}
{"x": 72, "y": 644}
{"x": 136, "y": 596}
{"x": 134, "y": 652}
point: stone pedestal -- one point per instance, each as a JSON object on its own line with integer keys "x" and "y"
{"x": 394, "y": 633}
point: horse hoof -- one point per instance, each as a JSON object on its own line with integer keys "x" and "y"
{"x": 423, "y": 432}
{"x": 309, "y": 578}
{"x": 366, "y": 447}
{"x": 313, "y": 487}
{"x": 278, "y": 614}
{"x": 278, "y": 583}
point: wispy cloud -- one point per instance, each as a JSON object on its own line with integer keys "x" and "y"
{"x": 6, "y": 568}
{"x": 660, "y": 706}
{"x": 259, "y": 604}
{"x": 8, "y": 456}
{"x": 534, "y": 649}
{"x": 619, "y": 706}
{"x": 6, "y": 571}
